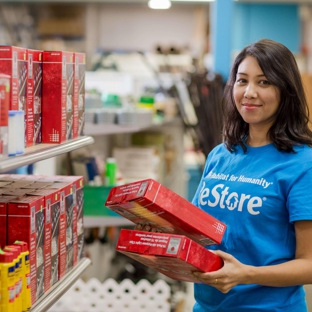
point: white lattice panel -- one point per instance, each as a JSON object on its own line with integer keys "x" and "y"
{"x": 94, "y": 296}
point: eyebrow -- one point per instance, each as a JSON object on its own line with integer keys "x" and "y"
{"x": 262, "y": 75}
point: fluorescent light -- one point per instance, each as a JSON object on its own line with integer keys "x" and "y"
{"x": 159, "y": 4}
{"x": 193, "y": 0}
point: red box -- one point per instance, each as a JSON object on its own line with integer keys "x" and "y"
{"x": 26, "y": 223}
{"x": 57, "y": 96}
{"x": 149, "y": 202}
{"x": 51, "y": 222}
{"x": 4, "y": 201}
{"x": 34, "y": 94}
{"x": 13, "y": 62}
{"x": 77, "y": 219}
{"x": 176, "y": 256}
{"x": 65, "y": 248}
{"x": 5, "y": 81}
{"x": 79, "y": 94}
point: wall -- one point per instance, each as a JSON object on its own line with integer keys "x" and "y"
{"x": 280, "y": 22}
{"x": 136, "y": 27}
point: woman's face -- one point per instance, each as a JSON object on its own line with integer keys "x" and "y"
{"x": 255, "y": 98}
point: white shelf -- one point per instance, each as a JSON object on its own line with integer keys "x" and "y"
{"x": 42, "y": 151}
{"x": 49, "y": 298}
{"x": 102, "y": 129}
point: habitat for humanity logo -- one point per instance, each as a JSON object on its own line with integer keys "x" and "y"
{"x": 220, "y": 195}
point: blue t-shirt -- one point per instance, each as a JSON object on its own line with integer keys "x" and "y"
{"x": 258, "y": 195}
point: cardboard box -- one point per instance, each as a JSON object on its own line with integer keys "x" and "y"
{"x": 51, "y": 221}
{"x": 77, "y": 216}
{"x": 57, "y": 96}
{"x": 4, "y": 201}
{"x": 26, "y": 223}
{"x": 79, "y": 94}
{"x": 5, "y": 82}
{"x": 176, "y": 256}
{"x": 65, "y": 244}
{"x": 13, "y": 62}
{"x": 34, "y": 95}
{"x": 149, "y": 202}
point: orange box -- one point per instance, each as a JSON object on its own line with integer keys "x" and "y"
{"x": 147, "y": 202}
{"x": 175, "y": 256}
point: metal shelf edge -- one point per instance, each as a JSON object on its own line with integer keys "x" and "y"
{"x": 59, "y": 288}
{"x": 43, "y": 151}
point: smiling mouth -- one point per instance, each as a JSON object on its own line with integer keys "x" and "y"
{"x": 250, "y": 105}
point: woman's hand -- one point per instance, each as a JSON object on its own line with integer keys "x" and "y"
{"x": 231, "y": 274}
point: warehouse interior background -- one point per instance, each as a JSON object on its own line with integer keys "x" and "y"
{"x": 182, "y": 55}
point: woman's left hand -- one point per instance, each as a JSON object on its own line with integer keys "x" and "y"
{"x": 231, "y": 274}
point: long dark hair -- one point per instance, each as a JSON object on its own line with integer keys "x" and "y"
{"x": 291, "y": 126}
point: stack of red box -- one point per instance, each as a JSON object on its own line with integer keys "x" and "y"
{"x": 179, "y": 230}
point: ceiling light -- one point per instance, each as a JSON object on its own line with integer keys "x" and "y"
{"x": 194, "y": 0}
{"x": 159, "y": 4}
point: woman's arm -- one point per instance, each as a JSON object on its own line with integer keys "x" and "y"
{"x": 294, "y": 272}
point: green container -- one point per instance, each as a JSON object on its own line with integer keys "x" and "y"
{"x": 94, "y": 200}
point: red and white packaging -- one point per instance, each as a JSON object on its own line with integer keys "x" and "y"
{"x": 51, "y": 222}
{"x": 79, "y": 94}
{"x": 77, "y": 217}
{"x": 57, "y": 96}
{"x": 13, "y": 62}
{"x": 26, "y": 223}
{"x": 176, "y": 256}
{"x": 65, "y": 241}
{"x": 147, "y": 202}
{"x": 5, "y": 82}
{"x": 34, "y": 94}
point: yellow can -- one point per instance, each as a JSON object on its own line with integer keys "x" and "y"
{"x": 18, "y": 275}
{"x": 7, "y": 268}
{"x": 26, "y": 294}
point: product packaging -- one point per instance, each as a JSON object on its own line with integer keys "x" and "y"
{"x": 57, "y": 96}
{"x": 176, "y": 256}
{"x": 76, "y": 225}
{"x": 13, "y": 62}
{"x": 79, "y": 94}
{"x": 65, "y": 244}
{"x": 16, "y": 143}
{"x": 147, "y": 202}
{"x": 51, "y": 220}
{"x": 16, "y": 250}
{"x": 5, "y": 81}
{"x": 34, "y": 95}
{"x": 26, "y": 295}
{"x": 26, "y": 221}
{"x": 7, "y": 281}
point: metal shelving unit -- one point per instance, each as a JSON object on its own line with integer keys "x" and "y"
{"x": 32, "y": 155}
{"x": 47, "y": 300}
{"x": 42, "y": 151}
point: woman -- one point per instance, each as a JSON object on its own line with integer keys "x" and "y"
{"x": 265, "y": 198}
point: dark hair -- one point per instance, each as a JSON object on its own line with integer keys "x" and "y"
{"x": 291, "y": 126}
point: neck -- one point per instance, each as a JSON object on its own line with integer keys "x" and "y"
{"x": 257, "y": 140}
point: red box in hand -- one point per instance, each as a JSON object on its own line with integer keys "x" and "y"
{"x": 176, "y": 256}
{"x": 149, "y": 202}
